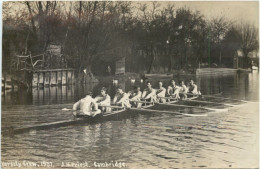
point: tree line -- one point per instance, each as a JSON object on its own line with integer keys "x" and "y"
{"x": 95, "y": 34}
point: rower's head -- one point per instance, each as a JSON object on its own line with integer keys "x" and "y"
{"x": 191, "y": 82}
{"x": 160, "y": 83}
{"x": 172, "y": 82}
{"x": 89, "y": 93}
{"x": 137, "y": 88}
{"x": 149, "y": 85}
{"x": 103, "y": 91}
{"x": 182, "y": 83}
{"x": 119, "y": 90}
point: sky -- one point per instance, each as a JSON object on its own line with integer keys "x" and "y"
{"x": 238, "y": 11}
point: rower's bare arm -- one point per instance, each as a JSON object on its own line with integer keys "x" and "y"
{"x": 150, "y": 95}
{"x": 125, "y": 97}
{"x": 95, "y": 105}
{"x": 144, "y": 93}
{"x": 137, "y": 96}
{"x": 185, "y": 90}
{"x": 134, "y": 98}
{"x": 168, "y": 90}
{"x": 76, "y": 105}
{"x": 115, "y": 99}
{"x": 176, "y": 91}
{"x": 162, "y": 93}
{"x": 195, "y": 90}
{"x": 98, "y": 98}
{"x": 106, "y": 101}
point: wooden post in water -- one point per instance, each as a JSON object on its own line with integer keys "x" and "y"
{"x": 53, "y": 80}
{"x": 41, "y": 79}
{"x": 64, "y": 77}
{"x": 4, "y": 82}
{"x": 52, "y": 77}
{"x": 59, "y": 77}
{"x": 47, "y": 96}
{"x": 12, "y": 83}
{"x": 35, "y": 80}
{"x": 72, "y": 77}
{"x": 69, "y": 75}
{"x": 46, "y": 79}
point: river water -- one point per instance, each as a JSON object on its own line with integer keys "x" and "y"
{"x": 152, "y": 140}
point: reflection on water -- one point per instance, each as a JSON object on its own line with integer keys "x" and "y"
{"x": 239, "y": 86}
{"x": 144, "y": 140}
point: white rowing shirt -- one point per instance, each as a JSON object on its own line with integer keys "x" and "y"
{"x": 103, "y": 100}
{"x": 149, "y": 93}
{"x": 193, "y": 89}
{"x": 86, "y": 105}
{"x": 133, "y": 95}
{"x": 173, "y": 90}
{"x": 183, "y": 89}
{"x": 161, "y": 92}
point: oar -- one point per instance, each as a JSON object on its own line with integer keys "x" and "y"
{"x": 66, "y": 109}
{"x": 171, "y": 98}
{"x": 218, "y": 97}
{"x": 119, "y": 107}
{"x": 190, "y": 94}
{"x": 226, "y": 98}
{"x": 201, "y": 101}
{"x": 168, "y": 112}
{"x": 205, "y": 108}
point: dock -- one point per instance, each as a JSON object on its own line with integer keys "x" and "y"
{"x": 216, "y": 71}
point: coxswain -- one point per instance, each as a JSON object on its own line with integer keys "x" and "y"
{"x": 135, "y": 96}
{"x": 103, "y": 100}
{"x": 149, "y": 94}
{"x": 121, "y": 98}
{"x": 160, "y": 93}
{"x": 193, "y": 88}
{"x": 173, "y": 90}
{"x": 183, "y": 90}
{"x": 87, "y": 106}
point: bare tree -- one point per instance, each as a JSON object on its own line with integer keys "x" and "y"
{"x": 247, "y": 36}
{"x": 219, "y": 27}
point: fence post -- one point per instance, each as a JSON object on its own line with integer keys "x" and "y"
{"x": 4, "y": 81}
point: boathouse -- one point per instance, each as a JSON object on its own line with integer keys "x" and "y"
{"x": 47, "y": 69}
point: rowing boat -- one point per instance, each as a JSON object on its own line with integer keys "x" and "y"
{"x": 145, "y": 108}
{"x": 119, "y": 112}
{"x": 115, "y": 114}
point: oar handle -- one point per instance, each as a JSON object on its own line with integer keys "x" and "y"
{"x": 66, "y": 109}
{"x": 171, "y": 98}
{"x": 141, "y": 101}
{"x": 111, "y": 106}
{"x": 191, "y": 94}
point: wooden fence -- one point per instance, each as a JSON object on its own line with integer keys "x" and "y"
{"x": 52, "y": 77}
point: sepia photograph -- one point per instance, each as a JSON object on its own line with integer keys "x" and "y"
{"x": 130, "y": 84}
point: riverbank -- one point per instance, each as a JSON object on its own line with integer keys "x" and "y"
{"x": 175, "y": 73}
{"x": 139, "y": 76}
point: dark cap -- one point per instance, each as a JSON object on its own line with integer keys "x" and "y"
{"x": 89, "y": 93}
{"x": 104, "y": 89}
{"x": 119, "y": 87}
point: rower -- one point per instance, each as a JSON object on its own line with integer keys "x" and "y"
{"x": 183, "y": 90}
{"x": 173, "y": 90}
{"x": 103, "y": 100}
{"x": 160, "y": 93}
{"x": 149, "y": 94}
{"x": 121, "y": 98}
{"x": 135, "y": 96}
{"x": 193, "y": 88}
{"x": 87, "y": 106}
